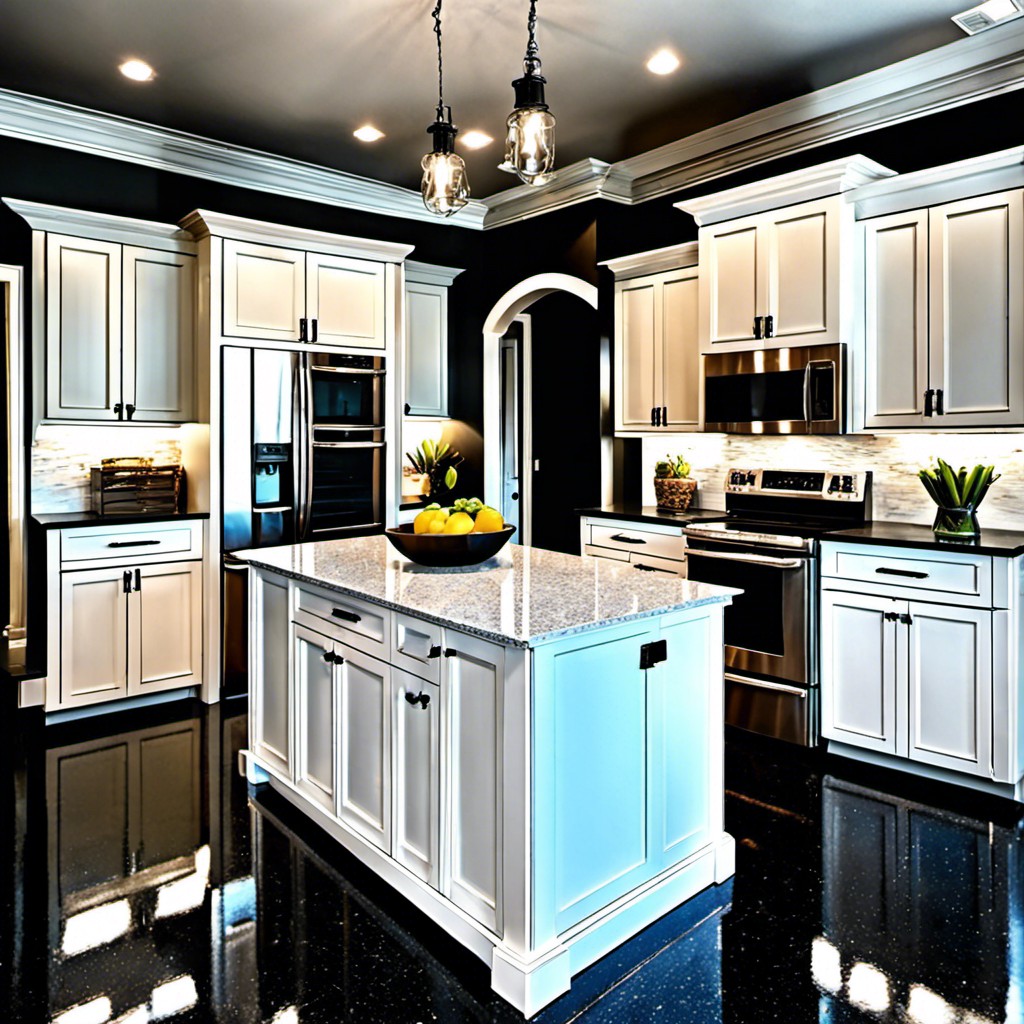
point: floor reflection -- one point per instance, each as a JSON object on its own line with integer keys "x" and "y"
{"x": 144, "y": 881}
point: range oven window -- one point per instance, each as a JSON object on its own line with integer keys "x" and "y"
{"x": 346, "y": 487}
{"x": 346, "y": 393}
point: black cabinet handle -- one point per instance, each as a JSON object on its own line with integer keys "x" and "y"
{"x": 303, "y": 329}
{"x": 408, "y": 408}
{"x": 623, "y": 539}
{"x": 450, "y": 652}
{"x": 929, "y": 395}
{"x": 644, "y": 568}
{"x": 902, "y": 572}
{"x": 940, "y": 405}
{"x": 340, "y": 613}
{"x": 315, "y": 325}
{"x": 435, "y": 651}
{"x": 890, "y": 616}
{"x": 328, "y": 657}
{"x": 769, "y": 326}
{"x": 117, "y": 409}
{"x": 131, "y": 543}
{"x": 129, "y": 410}
{"x": 652, "y": 415}
{"x": 657, "y": 415}
{"x": 138, "y": 579}
{"x": 423, "y": 699}
{"x": 664, "y": 415}
{"x": 126, "y": 581}
{"x": 906, "y": 620}
{"x": 757, "y": 326}
{"x": 333, "y": 659}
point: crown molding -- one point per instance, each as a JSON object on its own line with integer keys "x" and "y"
{"x": 801, "y": 186}
{"x": 202, "y": 223}
{"x": 84, "y": 223}
{"x": 654, "y": 261}
{"x": 577, "y": 183}
{"x": 120, "y": 138}
{"x": 430, "y": 273}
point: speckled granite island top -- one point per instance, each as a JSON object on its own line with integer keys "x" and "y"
{"x": 524, "y": 596}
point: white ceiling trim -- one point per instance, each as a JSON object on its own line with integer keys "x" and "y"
{"x": 962, "y": 72}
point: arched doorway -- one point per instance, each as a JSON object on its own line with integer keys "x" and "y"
{"x": 509, "y": 309}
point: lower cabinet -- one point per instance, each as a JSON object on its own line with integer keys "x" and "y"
{"x": 270, "y": 705}
{"x": 316, "y": 702}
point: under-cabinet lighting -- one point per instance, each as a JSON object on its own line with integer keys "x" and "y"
{"x": 476, "y": 139}
{"x": 137, "y": 70}
{"x": 664, "y": 62}
{"x": 367, "y": 133}
{"x": 96, "y": 927}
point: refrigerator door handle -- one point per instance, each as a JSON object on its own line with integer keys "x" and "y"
{"x": 304, "y": 451}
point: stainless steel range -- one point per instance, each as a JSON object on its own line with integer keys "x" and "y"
{"x": 767, "y": 546}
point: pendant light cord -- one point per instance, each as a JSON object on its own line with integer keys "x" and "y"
{"x": 532, "y": 59}
{"x": 440, "y": 66}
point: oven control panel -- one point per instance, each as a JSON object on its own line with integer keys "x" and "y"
{"x": 829, "y": 484}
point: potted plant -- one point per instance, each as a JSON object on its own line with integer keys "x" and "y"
{"x": 437, "y": 461}
{"x": 673, "y": 486}
{"x": 958, "y": 495}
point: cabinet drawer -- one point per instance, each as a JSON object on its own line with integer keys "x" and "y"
{"x": 416, "y": 646}
{"x": 967, "y": 578}
{"x": 136, "y": 543}
{"x": 635, "y": 539}
{"x": 363, "y": 625}
{"x": 652, "y": 563}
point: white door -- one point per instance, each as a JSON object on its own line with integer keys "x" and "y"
{"x": 83, "y": 328}
{"x": 270, "y": 703}
{"x": 165, "y": 627}
{"x": 977, "y": 310}
{"x": 732, "y": 285}
{"x": 801, "y": 258}
{"x": 472, "y": 694}
{"x": 364, "y": 745}
{"x": 896, "y": 310}
{"x": 416, "y": 720}
{"x": 859, "y": 670}
{"x": 950, "y": 687}
{"x": 315, "y": 715}
{"x": 426, "y": 350}
{"x": 680, "y": 350}
{"x": 264, "y": 291}
{"x": 93, "y": 636}
{"x": 346, "y": 299}
{"x": 159, "y": 335}
{"x": 637, "y": 308}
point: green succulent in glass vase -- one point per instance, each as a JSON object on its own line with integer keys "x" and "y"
{"x": 957, "y": 493}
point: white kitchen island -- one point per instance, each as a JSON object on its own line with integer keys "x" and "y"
{"x": 529, "y": 750}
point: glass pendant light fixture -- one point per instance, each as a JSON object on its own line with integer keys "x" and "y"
{"x": 530, "y": 142}
{"x": 445, "y": 187}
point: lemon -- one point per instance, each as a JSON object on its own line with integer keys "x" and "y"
{"x": 421, "y": 524}
{"x": 437, "y": 525}
{"x": 488, "y": 520}
{"x": 459, "y": 523}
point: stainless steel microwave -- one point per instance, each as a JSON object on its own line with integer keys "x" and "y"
{"x": 776, "y": 391}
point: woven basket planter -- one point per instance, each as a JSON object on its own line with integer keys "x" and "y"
{"x": 674, "y": 493}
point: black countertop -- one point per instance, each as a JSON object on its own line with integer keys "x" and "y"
{"x": 1003, "y": 543}
{"x": 651, "y": 514}
{"x": 62, "y": 520}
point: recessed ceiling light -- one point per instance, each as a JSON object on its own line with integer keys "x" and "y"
{"x": 988, "y": 15}
{"x": 368, "y": 133}
{"x": 476, "y": 139}
{"x": 664, "y": 62}
{"x": 137, "y": 70}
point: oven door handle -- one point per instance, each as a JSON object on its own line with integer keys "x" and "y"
{"x": 365, "y": 371}
{"x": 808, "y": 369}
{"x": 793, "y": 691}
{"x": 766, "y": 560}
{"x": 348, "y": 444}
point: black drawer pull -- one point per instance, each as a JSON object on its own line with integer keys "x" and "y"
{"x": 644, "y": 568}
{"x": 435, "y": 651}
{"x": 423, "y": 699}
{"x": 340, "y": 613}
{"x": 623, "y": 539}
{"x": 450, "y": 652}
{"x": 903, "y": 572}
{"x": 131, "y": 543}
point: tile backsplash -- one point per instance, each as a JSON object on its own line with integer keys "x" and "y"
{"x": 62, "y": 456}
{"x": 893, "y": 459}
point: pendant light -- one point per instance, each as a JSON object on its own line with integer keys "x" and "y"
{"x": 445, "y": 186}
{"x": 530, "y": 142}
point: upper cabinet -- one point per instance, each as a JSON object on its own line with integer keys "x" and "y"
{"x": 945, "y": 323}
{"x": 657, "y": 355}
{"x": 778, "y": 259}
{"x": 426, "y": 338}
{"x": 115, "y": 299}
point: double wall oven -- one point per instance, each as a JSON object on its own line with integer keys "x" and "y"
{"x": 767, "y": 546}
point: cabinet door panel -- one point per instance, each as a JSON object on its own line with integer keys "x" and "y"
{"x": 977, "y": 327}
{"x": 473, "y": 701}
{"x": 264, "y": 291}
{"x": 270, "y": 706}
{"x": 426, "y": 352}
{"x": 165, "y": 628}
{"x": 637, "y": 335}
{"x": 416, "y": 776}
{"x": 94, "y": 637}
{"x": 859, "y": 670}
{"x": 159, "y": 334}
{"x": 729, "y": 261}
{"x": 896, "y": 292}
{"x": 803, "y": 285}
{"x": 83, "y": 328}
{"x": 364, "y": 746}
{"x": 346, "y": 298}
{"x": 950, "y": 687}
{"x": 680, "y": 373}
{"x": 315, "y": 715}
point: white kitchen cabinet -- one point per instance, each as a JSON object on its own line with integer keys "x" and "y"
{"x": 426, "y": 338}
{"x": 945, "y": 315}
{"x": 315, "y": 702}
{"x": 270, "y": 692}
{"x": 345, "y": 301}
{"x": 657, "y": 357}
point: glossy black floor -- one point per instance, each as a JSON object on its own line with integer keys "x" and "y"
{"x": 142, "y": 881}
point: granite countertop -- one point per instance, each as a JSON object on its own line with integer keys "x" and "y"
{"x": 63, "y": 520}
{"x": 522, "y": 597}
{"x": 1003, "y": 543}
{"x": 651, "y": 514}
